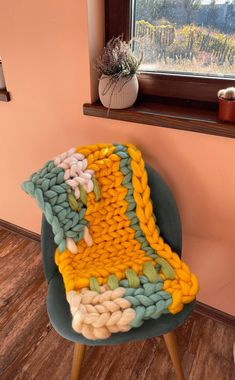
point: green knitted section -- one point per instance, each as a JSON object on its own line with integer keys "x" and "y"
{"x": 145, "y": 295}
{"x": 125, "y": 168}
{"x": 58, "y": 203}
{"x": 113, "y": 282}
{"x": 148, "y": 300}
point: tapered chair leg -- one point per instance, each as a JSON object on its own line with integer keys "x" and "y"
{"x": 171, "y": 343}
{"x": 78, "y": 355}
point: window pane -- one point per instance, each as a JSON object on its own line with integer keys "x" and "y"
{"x": 186, "y": 36}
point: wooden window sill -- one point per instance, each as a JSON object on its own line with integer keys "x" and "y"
{"x": 168, "y": 115}
{"x": 4, "y": 96}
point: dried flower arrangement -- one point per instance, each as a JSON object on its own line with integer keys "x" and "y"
{"x": 118, "y": 59}
{"x": 227, "y": 104}
{"x": 117, "y": 67}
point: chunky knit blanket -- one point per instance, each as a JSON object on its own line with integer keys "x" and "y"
{"x": 117, "y": 269}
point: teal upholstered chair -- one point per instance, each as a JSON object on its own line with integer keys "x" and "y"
{"x": 58, "y": 308}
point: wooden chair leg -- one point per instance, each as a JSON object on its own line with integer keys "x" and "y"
{"x": 78, "y": 355}
{"x": 171, "y": 343}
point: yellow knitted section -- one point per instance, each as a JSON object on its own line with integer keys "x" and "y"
{"x": 115, "y": 248}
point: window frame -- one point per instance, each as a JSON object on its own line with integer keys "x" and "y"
{"x": 4, "y": 94}
{"x": 159, "y": 84}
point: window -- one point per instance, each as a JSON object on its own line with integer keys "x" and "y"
{"x": 188, "y": 45}
{"x": 189, "y": 56}
{"x": 188, "y": 36}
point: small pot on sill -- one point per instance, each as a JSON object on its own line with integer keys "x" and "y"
{"x": 118, "y": 93}
{"x": 227, "y": 110}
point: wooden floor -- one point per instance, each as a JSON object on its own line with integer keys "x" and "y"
{"x": 31, "y": 349}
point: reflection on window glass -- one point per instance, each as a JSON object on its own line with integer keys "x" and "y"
{"x": 196, "y": 36}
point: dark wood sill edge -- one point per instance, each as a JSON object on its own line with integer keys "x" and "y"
{"x": 174, "y": 116}
{"x": 200, "y": 307}
{"x": 4, "y": 96}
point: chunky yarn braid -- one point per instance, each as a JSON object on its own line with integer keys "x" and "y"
{"x": 60, "y": 189}
{"x": 117, "y": 269}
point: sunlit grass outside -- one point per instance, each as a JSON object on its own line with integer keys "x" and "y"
{"x": 189, "y": 49}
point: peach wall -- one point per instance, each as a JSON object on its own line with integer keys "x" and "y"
{"x": 45, "y": 52}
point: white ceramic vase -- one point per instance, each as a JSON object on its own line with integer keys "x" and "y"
{"x": 118, "y": 93}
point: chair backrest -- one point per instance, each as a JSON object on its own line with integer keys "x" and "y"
{"x": 165, "y": 209}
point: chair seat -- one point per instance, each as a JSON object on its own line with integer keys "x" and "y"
{"x": 61, "y": 319}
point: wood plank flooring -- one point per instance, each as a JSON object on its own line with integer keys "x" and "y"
{"x": 30, "y": 349}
